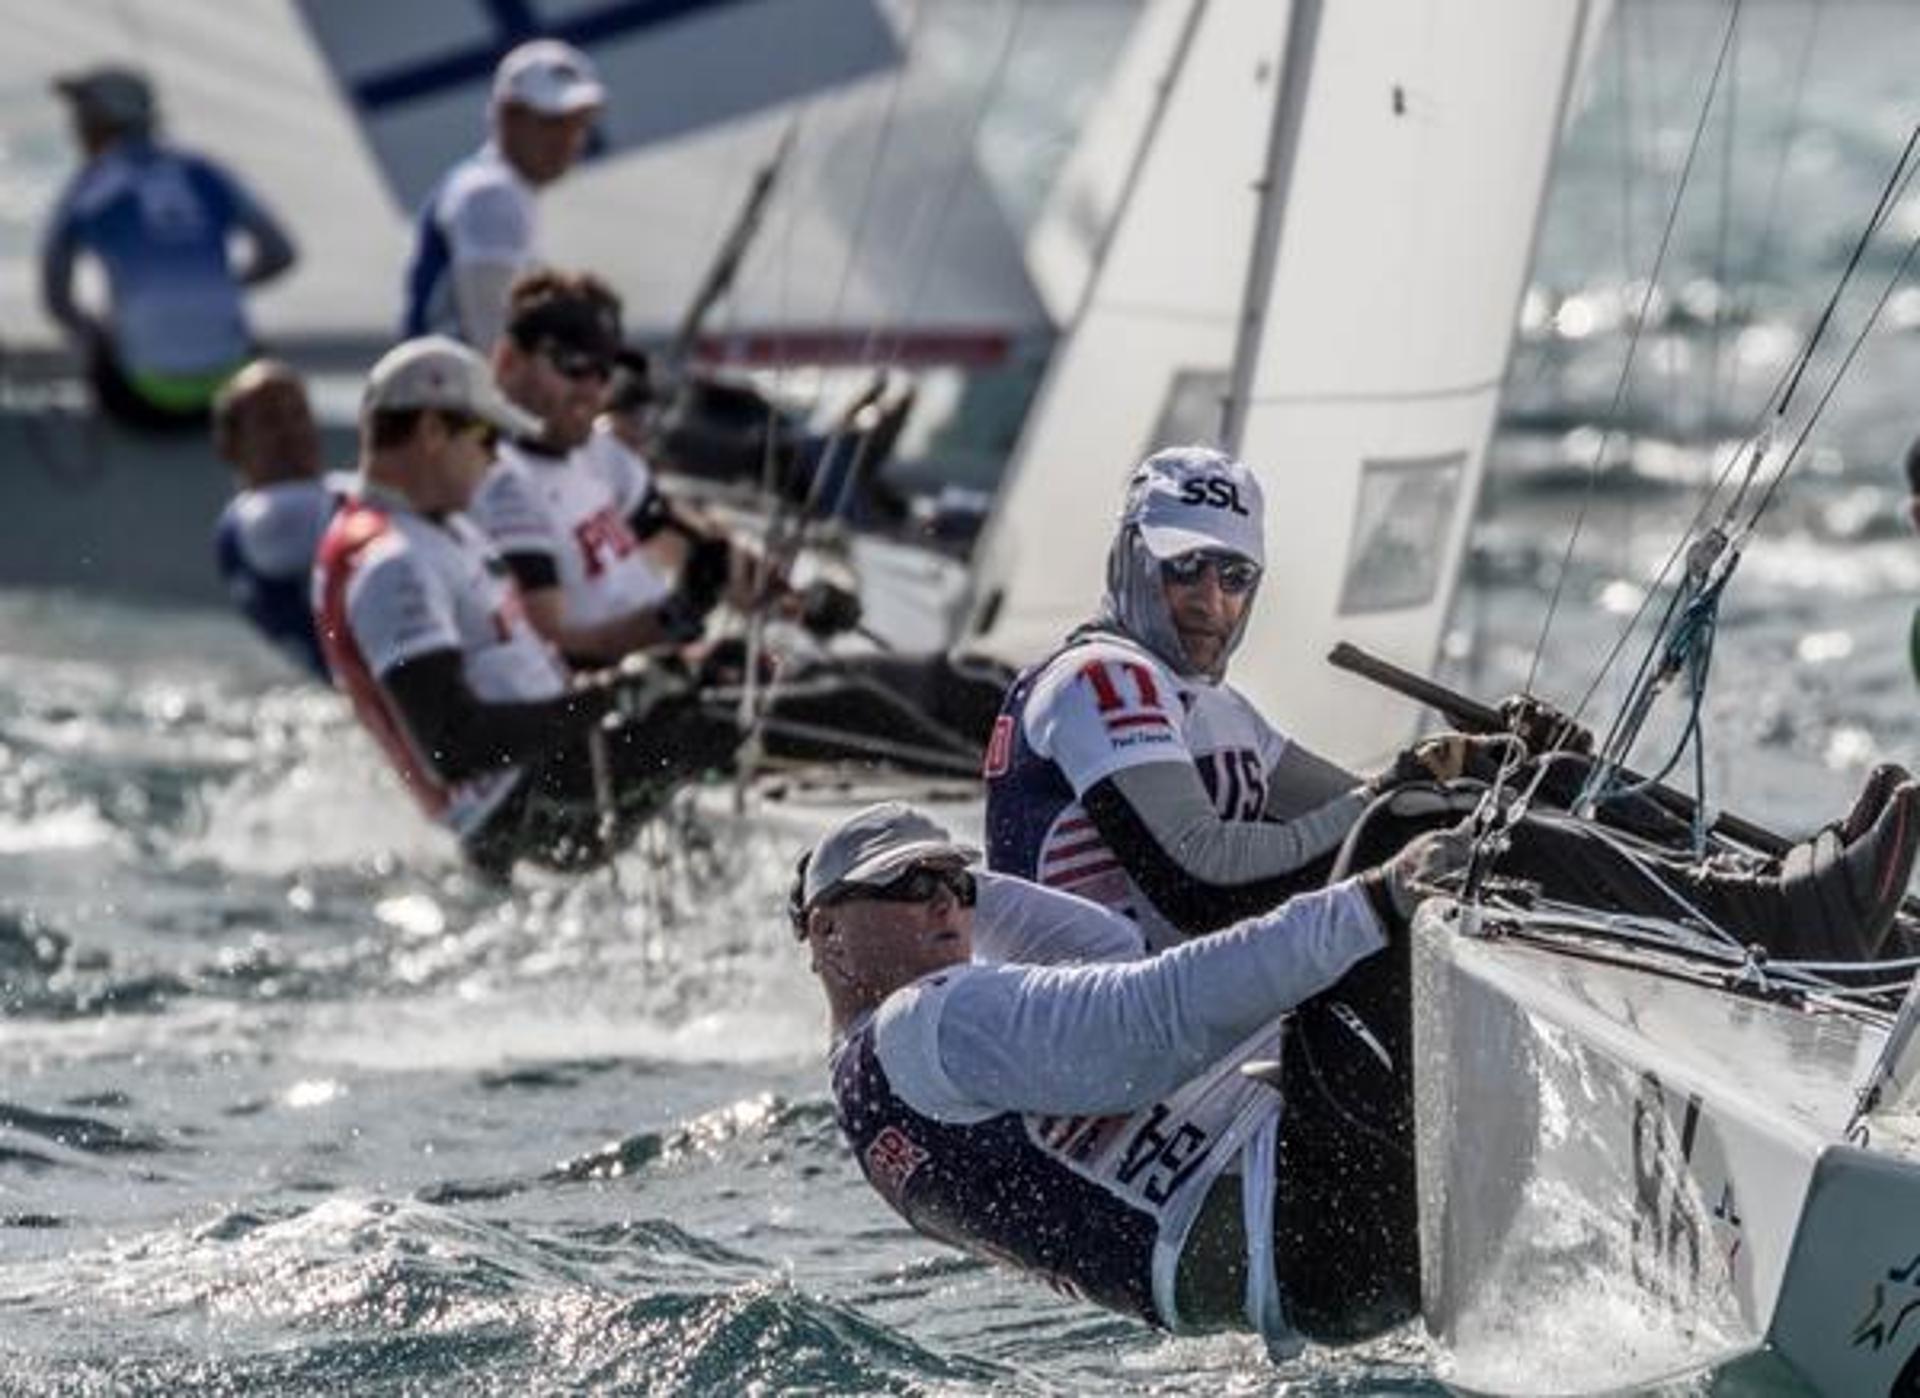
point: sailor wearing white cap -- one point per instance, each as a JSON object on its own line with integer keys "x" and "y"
{"x": 476, "y": 230}
{"x": 1016, "y": 1078}
{"x": 425, "y": 632}
{"x": 1136, "y": 705}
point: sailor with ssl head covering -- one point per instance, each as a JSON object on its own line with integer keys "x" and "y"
{"x": 1124, "y": 767}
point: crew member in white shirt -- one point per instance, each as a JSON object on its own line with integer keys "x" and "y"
{"x": 476, "y": 230}
{"x": 424, "y": 630}
{"x": 576, "y": 512}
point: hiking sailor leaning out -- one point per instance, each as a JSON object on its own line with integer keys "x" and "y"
{"x": 159, "y": 221}
{"x": 475, "y": 232}
{"x": 1017, "y": 1077}
{"x": 268, "y": 534}
{"x": 1126, "y": 768}
{"x": 424, "y": 630}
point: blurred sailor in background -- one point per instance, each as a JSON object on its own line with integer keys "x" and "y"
{"x": 265, "y": 541}
{"x": 159, "y": 221}
{"x": 424, "y": 630}
{"x": 593, "y": 543}
{"x": 475, "y": 233}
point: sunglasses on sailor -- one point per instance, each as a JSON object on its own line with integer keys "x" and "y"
{"x": 576, "y": 364}
{"x": 475, "y": 428}
{"x": 1237, "y": 575}
{"x": 919, "y": 883}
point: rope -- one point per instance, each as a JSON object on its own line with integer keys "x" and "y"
{"x": 1760, "y": 440}
{"x": 1542, "y": 919}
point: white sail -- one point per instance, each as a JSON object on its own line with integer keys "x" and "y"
{"x": 1067, "y": 240}
{"x": 1156, "y": 329}
{"x": 1409, "y": 185}
{"x": 1416, "y": 143}
{"x": 877, "y": 106}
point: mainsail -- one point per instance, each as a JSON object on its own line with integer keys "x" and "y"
{"x": 1413, "y": 179}
{"x": 1406, "y": 150}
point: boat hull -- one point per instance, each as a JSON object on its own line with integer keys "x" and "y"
{"x": 87, "y": 507}
{"x": 1627, "y": 1177}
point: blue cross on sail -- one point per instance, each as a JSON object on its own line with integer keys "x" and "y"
{"x": 416, "y": 75}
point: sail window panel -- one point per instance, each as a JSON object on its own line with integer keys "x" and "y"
{"x": 1403, "y": 519}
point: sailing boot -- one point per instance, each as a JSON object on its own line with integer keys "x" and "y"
{"x": 1882, "y": 781}
{"x": 1833, "y": 899}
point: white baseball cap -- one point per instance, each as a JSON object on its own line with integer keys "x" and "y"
{"x": 550, "y": 77}
{"x": 1188, "y": 498}
{"x": 437, "y": 372}
{"x": 873, "y": 844}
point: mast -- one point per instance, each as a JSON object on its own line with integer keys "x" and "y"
{"x": 1283, "y": 144}
{"x": 1147, "y": 354}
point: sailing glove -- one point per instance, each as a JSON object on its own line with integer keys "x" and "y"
{"x": 704, "y": 575}
{"x": 1543, "y": 727}
{"x": 1448, "y": 757}
{"x": 1426, "y": 865}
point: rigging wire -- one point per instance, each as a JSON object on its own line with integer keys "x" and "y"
{"x": 1494, "y": 814}
{"x": 1716, "y": 554}
{"x": 756, "y": 698}
{"x": 1769, "y": 222}
{"x": 1717, "y": 329}
{"x": 1839, "y": 376}
{"x": 1759, "y": 439}
{"x": 783, "y": 533}
{"x": 1633, "y": 345}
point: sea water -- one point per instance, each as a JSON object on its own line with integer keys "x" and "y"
{"x": 289, "y": 1103}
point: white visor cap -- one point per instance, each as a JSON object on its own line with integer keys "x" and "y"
{"x": 549, "y": 77}
{"x": 876, "y": 844}
{"x": 1185, "y": 499}
{"x": 438, "y": 372}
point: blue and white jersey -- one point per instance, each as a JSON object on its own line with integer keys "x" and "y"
{"x": 158, "y": 220}
{"x": 480, "y": 211}
{"x": 1097, "y": 1206}
{"x": 1065, "y": 1104}
{"x": 264, "y": 545}
{"x": 1100, "y": 704}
